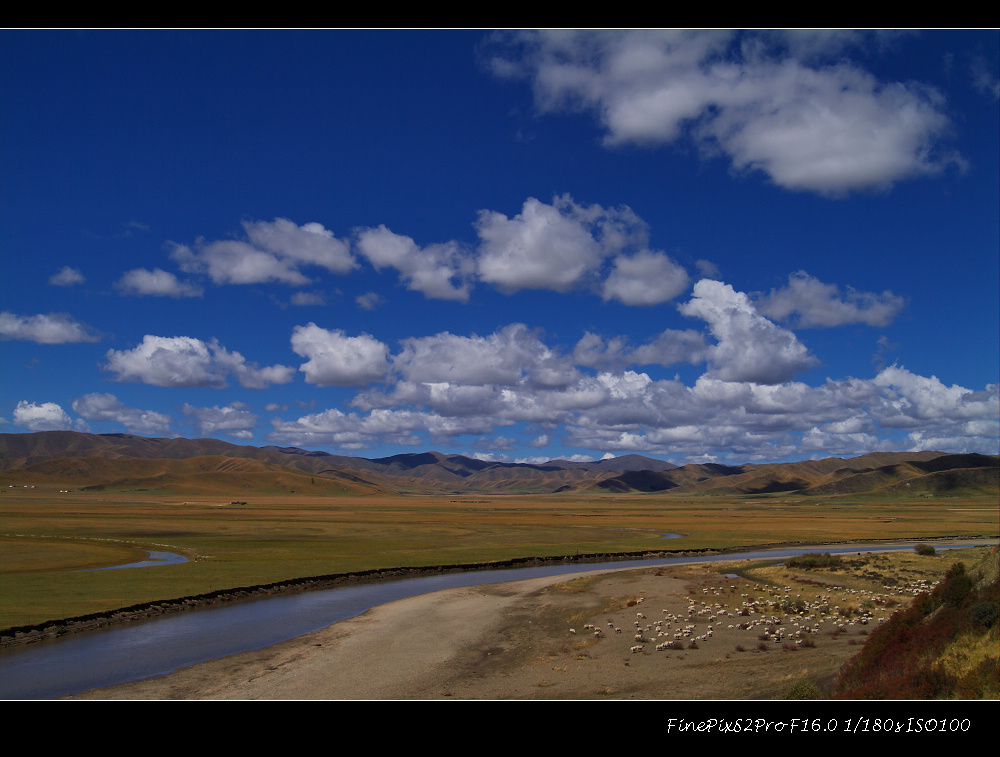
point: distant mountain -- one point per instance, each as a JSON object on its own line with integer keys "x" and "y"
{"x": 207, "y": 474}
{"x": 32, "y": 456}
{"x": 128, "y": 462}
{"x": 899, "y": 472}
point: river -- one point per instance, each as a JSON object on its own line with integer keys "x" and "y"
{"x": 158, "y": 646}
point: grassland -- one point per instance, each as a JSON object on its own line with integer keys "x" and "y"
{"x": 49, "y": 538}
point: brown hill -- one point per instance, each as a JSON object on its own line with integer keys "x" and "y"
{"x": 125, "y": 461}
{"x": 428, "y": 472}
{"x": 208, "y": 474}
{"x": 902, "y": 472}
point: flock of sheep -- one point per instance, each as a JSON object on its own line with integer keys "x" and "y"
{"x": 768, "y": 614}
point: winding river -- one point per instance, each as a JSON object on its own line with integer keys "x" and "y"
{"x": 160, "y": 645}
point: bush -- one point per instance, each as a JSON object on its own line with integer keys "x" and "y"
{"x": 985, "y": 614}
{"x": 814, "y": 560}
{"x": 795, "y": 606}
{"x": 924, "y": 549}
{"x": 956, "y": 586}
{"x": 802, "y": 689}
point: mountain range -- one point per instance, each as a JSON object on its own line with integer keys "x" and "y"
{"x": 77, "y": 460}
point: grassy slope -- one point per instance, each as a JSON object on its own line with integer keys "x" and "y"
{"x": 944, "y": 646}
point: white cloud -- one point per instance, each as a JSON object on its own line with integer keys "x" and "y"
{"x": 353, "y": 431}
{"x": 667, "y": 348}
{"x": 274, "y": 251}
{"x": 508, "y": 356}
{"x": 552, "y": 246}
{"x": 369, "y": 300}
{"x": 308, "y": 298}
{"x": 475, "y": 386}
{"x": 708, "y": 269}
{"x": 309, "y": 244}
{"x": 45, "y": 416}
{"x": 984, "y": 77}
{"x": 769, "y": 101}
{"x": 66, "y": 277}
{"x": 158, "y": 283}
{"x": 438, "y": 271}
{"x": 234, "y": 419}
{"x": 336, "y": 359}
{"x": 749, "y": 347}
{"x": 670, "y": 347}
{"x": 822, "y": 305}
{"x": 106, "y": 407}
{"x": 54, "y": 328}
{"x": 646, "y": 278}
{"x": 917, "y": 401}
{"x": 186, "y": 361}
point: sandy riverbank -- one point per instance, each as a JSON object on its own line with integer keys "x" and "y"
{"x": 513, "y": 641}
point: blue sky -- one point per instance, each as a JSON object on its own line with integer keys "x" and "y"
{"x": 692, "y": 245}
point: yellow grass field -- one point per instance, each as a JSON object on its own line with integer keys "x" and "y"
{"x": 48, "y": 539}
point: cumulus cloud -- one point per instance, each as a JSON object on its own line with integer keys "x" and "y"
{"x": 913, "y": 401}
{"x": 508, "y": 356}
{"x": 354, "y": 431}
{"x": 106, "y": 407}
{"x": 552, "y": 246}
{"x": 185, "y": 361}
{"x": 438, "y": 271}
{"x": 336, "y": 359}
{"x": 235, "y": 419}
{"x": 749, "y": 347}
{"x": 646, "y": 278}
{"x": 791, "y": 106}
{"x": 810, "y": 303}
{"x": 66, "y": 277}
{"x": 560, "y": 246}
{"x": 54, "y": 328}
{"x": 272, "y": 251}
{"x": 45, "y": 416}
{"x": 669, "y": 347}
{"x": 451, "y": 386}
{"x": 158, "y": 283}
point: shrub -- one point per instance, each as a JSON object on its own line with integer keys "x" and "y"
{"x": 956, "y": 586}
{"x": 794, "y": 606}
{"x": 902, "y": 658}
{"x": 802, "y": 689}
{"x": 985, "y": 614}
{"x": 814, "y": 560}
{"x": 763, "y": 647}
{"x": 924, "y": 549}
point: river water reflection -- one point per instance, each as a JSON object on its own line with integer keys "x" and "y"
{"x": 158, "y": 646}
